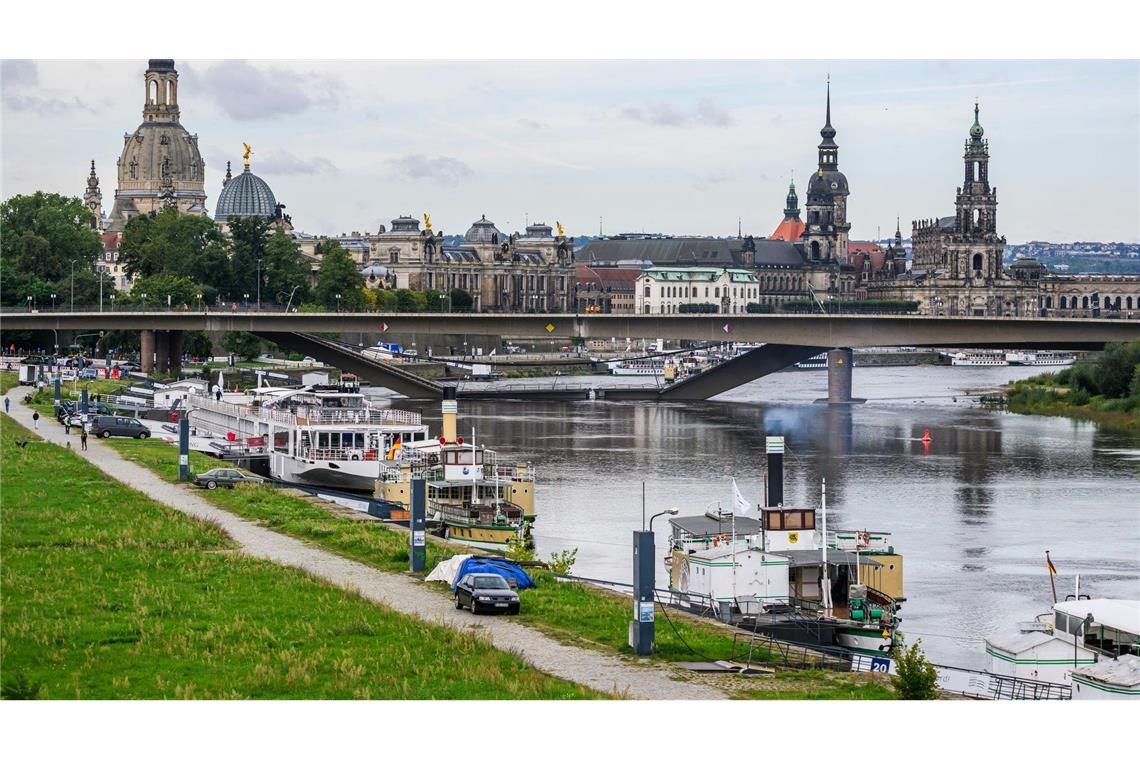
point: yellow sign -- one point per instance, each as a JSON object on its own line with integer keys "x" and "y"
{"x": 793, "y": 537}
{"x": 549, "y": 327}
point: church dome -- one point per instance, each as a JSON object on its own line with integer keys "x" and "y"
{"x": 245, "y": 195}
{"x": 827, "y": 183}
{"x": 405, "y": 224}
{"x": 483, "y": 231}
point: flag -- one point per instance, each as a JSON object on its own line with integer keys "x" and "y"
{"x": 1049, "y": 563}
{"x": 395, "y": 447}
{"x": 740, "y": 504}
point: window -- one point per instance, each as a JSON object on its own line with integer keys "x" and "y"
{"x": 977, "y": 263}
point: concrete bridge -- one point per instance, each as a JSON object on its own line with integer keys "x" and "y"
{"x": 788, "y": 337}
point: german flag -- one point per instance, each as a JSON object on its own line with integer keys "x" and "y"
{"x": 395, "y": 448}
{"x": 1049, "y": 564}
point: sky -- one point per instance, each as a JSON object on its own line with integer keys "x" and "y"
{"x": 675, "y": 147}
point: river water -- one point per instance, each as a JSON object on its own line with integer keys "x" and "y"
{"x": 972, "y": 516}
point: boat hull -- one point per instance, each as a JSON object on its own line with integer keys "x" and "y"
{"x": 343, "y": 475}
{"x": 481, "y": 536}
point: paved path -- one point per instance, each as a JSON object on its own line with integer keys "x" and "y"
{"x": 599, "y": 671}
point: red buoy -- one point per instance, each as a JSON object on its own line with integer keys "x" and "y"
{"x": 926, "y": 435}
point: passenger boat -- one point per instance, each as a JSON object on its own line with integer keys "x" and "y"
{"x": 978, "y": 359}
{"x": 1092, "y": 645}
{"x": 648, "y": 367}
{"x": 780, "y": 574}
{"x": 315, "y": 435}
{"x": 1039, "y": 359}
{"x": 478, "y": 499}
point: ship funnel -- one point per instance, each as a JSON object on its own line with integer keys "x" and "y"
{"x": 774, "y": 445}
{"x": 450, "y": 412}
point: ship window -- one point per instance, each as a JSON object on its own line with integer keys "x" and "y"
{"x": 280, "y": 441}
{"x": 809, "y": 519}
{"x": 775, "y": 520}
{"x": 793, "y": 520}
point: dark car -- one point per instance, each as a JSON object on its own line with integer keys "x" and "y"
{"x": 486, "y": 592}
{"x": 225, "y": 477}
{"x": 128, "y": 367}
{"x": 106, "y": 426}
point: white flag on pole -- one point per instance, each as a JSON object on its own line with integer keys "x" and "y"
{"x": 740, "y": 504}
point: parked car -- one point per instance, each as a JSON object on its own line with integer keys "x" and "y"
{"x": 105, "y": 426}
{"x": 486, "y": 591}
{"x": 225, "y": 477}
{"x": 128, "y": 367}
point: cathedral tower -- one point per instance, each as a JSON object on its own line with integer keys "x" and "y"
{"x": 93, "y": 199}
{"x": 975, "y": 248}
{"x": 825, "y": 235}
{"x": 160, "y": 166}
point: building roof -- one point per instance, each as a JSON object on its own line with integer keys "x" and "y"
{"x": 405, "y": 224}
{"x": 1016, "y": 642}
{"x": 704, "y": 525}
{"x": 483, "y": 231}
{"x": 858, "y": 253}
{"x": 813, "y": 558}
{"x": 1121, "y": 614}
{"x": 697, "y": 274}
{"x": 691, "y": 251}
{"x": 789, "y": 230}
{"x": 245, "y": 195}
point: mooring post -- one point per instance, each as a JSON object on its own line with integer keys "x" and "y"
{"x": 83, "y": 402}
{"x": 183, "y": 447}
{"x": 641, "y": 627}
{"x": 58, "y": 385}
{"x": 417, "y": 555}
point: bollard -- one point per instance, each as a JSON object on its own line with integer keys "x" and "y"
{"x": 183, "y": 447}
{"x": 641, "y": 627}
{"x": 83, "y": 402}
{"x": 417, "y": 524}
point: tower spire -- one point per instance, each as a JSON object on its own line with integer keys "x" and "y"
{"x": 976, "y": 130}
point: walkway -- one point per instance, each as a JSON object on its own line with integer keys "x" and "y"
{"x": 603, "y": 672}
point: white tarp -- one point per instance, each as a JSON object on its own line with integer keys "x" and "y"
{"x": 445, "y": 571}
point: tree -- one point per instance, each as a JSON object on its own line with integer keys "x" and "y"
{"x": 461, "y": 300}
{"x": 176, "y": 244}
{"x": 44, "y": 237}
{"x": 915, "y": 677}
{"x": 406, "y": 300}
{"x": 283, "y": 268}
{"x": 434, "y": 300}
{"x": 1115, "y": 366}
{"x": 197, "y": 343}
{"x": 338, "y": 275}
{"x": 160, "y": 289}
{"x": 243, "y": 344}
{"x": 249, "y": 243}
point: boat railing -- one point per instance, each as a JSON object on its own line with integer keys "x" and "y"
{"x": 340, "y": 454}
{"x": 309, "y": 415}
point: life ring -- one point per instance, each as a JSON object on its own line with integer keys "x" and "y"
{"x": 355, "y": 457}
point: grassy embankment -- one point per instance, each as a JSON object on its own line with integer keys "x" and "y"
{"x": 1106, "y": 392}
{"x": 110, "y": 595}
{"x": 8, "y": 381}
{"x": 572, "y": 612}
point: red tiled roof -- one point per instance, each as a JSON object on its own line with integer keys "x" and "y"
{"x": 110, "y": 242}
{"x": 789, "y": 230}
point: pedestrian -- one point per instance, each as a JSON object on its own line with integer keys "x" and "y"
{"x": 83, "y": 438}
{"x": 67, "y": 424}
{"x": 7, "y": 403}
{"x": 36, "y": 420}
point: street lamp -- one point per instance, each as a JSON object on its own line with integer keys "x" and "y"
{"x": 199, "y": 302}
{"x": 670, "y": 511}
{"x": 30, "y": 304}
{"x": 112, "y": 301}
{"x": 53, "y": 301}
{"x": 245, "y": 299}
{"x": 73, "y": 286}
{"x": 338, "y": 302}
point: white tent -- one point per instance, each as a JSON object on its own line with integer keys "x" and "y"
{"x": 445, "y": 571}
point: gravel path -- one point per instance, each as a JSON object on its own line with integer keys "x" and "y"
{"x": 599, "y": 671}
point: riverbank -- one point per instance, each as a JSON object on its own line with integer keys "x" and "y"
{"x": 1050, "y": 395}
{"x": 110, "y": 595}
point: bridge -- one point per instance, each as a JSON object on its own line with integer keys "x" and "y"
{"x": 788, "y": 338}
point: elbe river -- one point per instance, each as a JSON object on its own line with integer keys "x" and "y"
{"x": 972, "y": 516}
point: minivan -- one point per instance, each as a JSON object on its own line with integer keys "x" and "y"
{"x": 106, "y": 426}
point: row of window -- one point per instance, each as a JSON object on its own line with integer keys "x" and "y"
{"x": 691, "y": 291}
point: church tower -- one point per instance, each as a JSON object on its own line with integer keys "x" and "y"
{"x": 160, "y": 166}
{"x": 791, "y": 228}
{"x": 93, "y": 199}
{"x": 975, "y": 247}
{"x": 825, "y": 235}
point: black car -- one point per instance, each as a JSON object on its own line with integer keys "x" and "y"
{"x": 105, "y": 426}
{"x": 486, "y": 592}
{"x": 225, "y": 477}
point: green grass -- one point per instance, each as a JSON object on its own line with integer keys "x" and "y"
{"x": 1042, "y": 395}
{"x": 108, "y": 595}
{"x": 8, "y": 381}
{"x": 815, "y": 684}
{"x": 570, "y": 611}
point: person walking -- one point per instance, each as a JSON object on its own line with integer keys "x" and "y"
{"x": 7, "y": 403}
{"x": 67, "y": 424}
{"x": 35, "y": 420}
{"x": 83, "y": 438}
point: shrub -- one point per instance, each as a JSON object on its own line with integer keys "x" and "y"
{"x": 697, "y": 308}
{"x": 915, "y": 677}
{"x": 18, "y": 686}
{"x": 519, "y": 549}
{"x": 1078, "y": 397}
{"x": 759, "y": 308}
{"x": 561, "y": 563}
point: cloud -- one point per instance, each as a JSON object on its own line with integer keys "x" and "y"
{"x": 246, "y": 93}
{"x": 531, "y": 124}
{"x": 438, "y": 169}
{"x": 284, "y": 162}
{"x": 21, "y": 92}
{"x": 707, "y": 113}
{"x": 710, "y": 179}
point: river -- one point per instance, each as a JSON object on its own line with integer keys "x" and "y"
{"x": 972, "y": 516}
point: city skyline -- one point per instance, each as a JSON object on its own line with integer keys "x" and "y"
{"x": 671, "y": 147}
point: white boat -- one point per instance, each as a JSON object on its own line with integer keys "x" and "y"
{"x": 642, "y": 367}
{"x": 978, "y": 359}
{"x": 324, "y": 435}
{"x": 1081, "y": 642}
{"x": 818, "y": 361}
{"x": 1039, "y": 359}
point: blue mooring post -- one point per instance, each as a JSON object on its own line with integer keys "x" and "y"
{"x": 641, "y": 627}
{"x": 183, "y": 447}
{"x": 58, "y": 388}
{"x": 83, "y": 402}
{"x": 417, "y": 523}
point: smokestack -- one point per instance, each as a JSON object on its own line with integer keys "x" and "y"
{"x": 774, "y": 445}
{"x": 450, "y": 412}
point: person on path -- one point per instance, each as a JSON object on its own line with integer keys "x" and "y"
{"x": 83, "y": 439}
{"x": 67, "y": 424}
{"x": 7, "y": 403}
{"x": 35, "y": 420}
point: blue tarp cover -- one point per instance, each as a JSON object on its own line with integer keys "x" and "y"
{"x": 503, "y": 567}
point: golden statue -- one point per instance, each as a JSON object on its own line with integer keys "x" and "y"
{"x": 245, "y": 156}
{"x": 427, "y": 222}
{"x": 561, "y": 232}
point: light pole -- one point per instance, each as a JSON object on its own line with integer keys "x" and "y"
{"x": 31, "y": 306}
{"x": 259, "y": 283}
{"x": 245, "y": 300}
{"x": 670, "y": 511}
{"x": 53, "y": 301}
{"x": 73, "y": 286}
{"x": 199, "y": 302}
{"x": 338, "y": 303}
{"x": 290, "y": 301}
{"x": 100, "y": 289}
{"x": 112, "y": 296}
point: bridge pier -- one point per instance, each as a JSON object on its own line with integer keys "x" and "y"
{"x": 162, "y": 351}
{"x": 840, "y": 363}
{"x": 146, "y": 351}
{"x": 176, "y": 352}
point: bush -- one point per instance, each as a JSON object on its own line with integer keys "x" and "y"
{"x": 915, "y": 677}
{"x": 878, "y": 306}
{"x": 1078, "y": 397}
{"x": 561, "y": 563}
{"x": 519, "y": 549}
{"x": 697, "y": 308}
{"x": 759, "y": 308}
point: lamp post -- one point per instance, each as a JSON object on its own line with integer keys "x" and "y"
{"x": 199, "y": 302}
{"x": 53, "y": 301}
{"x": 112, "y": 296}
{"x": 338, "y": 303}
{"x": 245, "y": 300}
{"x": 31, "y": 306}
{"x": 73, "y": 286}
{"x": 259, "y": 283}
{"x": 290, "y": 301}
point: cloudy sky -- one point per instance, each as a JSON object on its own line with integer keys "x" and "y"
{"x": 682, "y": 147}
